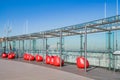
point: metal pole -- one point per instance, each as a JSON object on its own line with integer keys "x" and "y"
{"x": 105, "y": 9}
{"x": 60, "y": 48}
{"x": 116, "y": 41}
{"x": 117, "y": 7}
{"x": 85, "y": 47}
{"x": 0, "y": 46}
{"x": 39, "y": 47}
{"x": 34, "y": 45}
{"x": 81, "y": 41}
{"x": 117, "y": 18}
{"x": 19, "y": 48}
{"x": 30, "y": 45}
{"x": 14, "y": 46}
{"x": 109, "y": 48}
{"x": 113, "y": 43}
{"x": 23, "y": 46}
{"x": 7, "y": 44}
{"x": 114, "y": 63}
{"x": 46, "y": 48}
{"x": 43, "y": 47}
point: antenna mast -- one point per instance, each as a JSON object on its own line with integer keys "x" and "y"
{"x": 117, "y": 25}
{"x": 105, "y": 9}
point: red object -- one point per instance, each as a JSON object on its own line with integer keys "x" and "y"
{"x": 4, "y": 55}
{"x": 31, "y": 57}
{"x": 57, "y": 61}
{"x": 28, "y": 57}
{"x": 11, "y": 55}
{"x": 81, "y": 62}
{"x": 39, "y": 58}
{"x": 25, "y": 56}
{"x": 47, "y": 59}
{"x": 52, "y": 60}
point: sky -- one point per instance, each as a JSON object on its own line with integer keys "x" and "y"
{"x": 41, "y": 15}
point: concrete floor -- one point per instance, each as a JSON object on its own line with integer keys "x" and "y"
{"x": 96, "y": 73}
{"x": 14, "y": 70}
{"x": 19, "y": 69}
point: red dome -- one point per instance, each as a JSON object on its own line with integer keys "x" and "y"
{"x": 47, "y": 59}
{"x": 57, "y": 61}
{"x": 4, "y": 55}
{"x": 25, "y": 56}
{"x": 81, "y": 62}
{"x": 52, "y": 60}
{"x": 11, "y": 55}
{"x": 39, "y": 58}
{"x": 31, "y": 58}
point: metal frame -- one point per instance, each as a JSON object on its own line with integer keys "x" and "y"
{"x": 101, "y": 25}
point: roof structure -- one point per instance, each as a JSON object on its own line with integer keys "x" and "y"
{"x": 101, "y": 25}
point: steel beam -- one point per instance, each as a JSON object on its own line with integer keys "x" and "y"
{"x": 60, "y": 48}
{"x": 85, "y": 47}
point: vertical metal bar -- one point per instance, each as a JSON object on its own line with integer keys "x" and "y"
{"x": 39, "y": 47}
{"x": 0, "y": 46}
{"x": 7, "y": 44}
{"x": 116, "y": 41}
{"x": 105, "y": 9}
{"x": 46, "y": 47}
{"x": 10, "y": 46}
{"x": 60, "y": 48}
{"x": 113, "y": 43}
{"x": 19, "y": 49}
{"x": 114, "y": 63}
{"x": 109, "y": 48}
{"x": 26, "y": 46}
{"x": 43, "y": 47}
{"x": 81, "y": 41}
{"x": 85, "y": 47}
{"x": 117, "y": 18}
{"x": 116, "y": 7}
{"x": 14, "y": 46}
{"x": 23, "y": 45}
{"x": 32, "y": 41}
{"x": 30, "y": 45}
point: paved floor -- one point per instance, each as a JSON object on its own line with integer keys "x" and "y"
{"x": 93, "y": 72}
{"x": 32, "y": 70}
{"x": 14, "y": 70}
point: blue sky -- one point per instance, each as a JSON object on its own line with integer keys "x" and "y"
{"x": 49, "y": 14}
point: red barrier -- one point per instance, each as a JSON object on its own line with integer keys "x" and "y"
{"x": 39, "y": 58}
{"x": 31, "y": 58}
{"x": 47, "y": 59}
{"x": 52, "y": 60}
{"x": 81, "y": 62}
{"x": 11, "y": 55}
{"x": 57, "y": 61}
{"x": 4, "y": 55}
{"x": 25, "y": 56}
